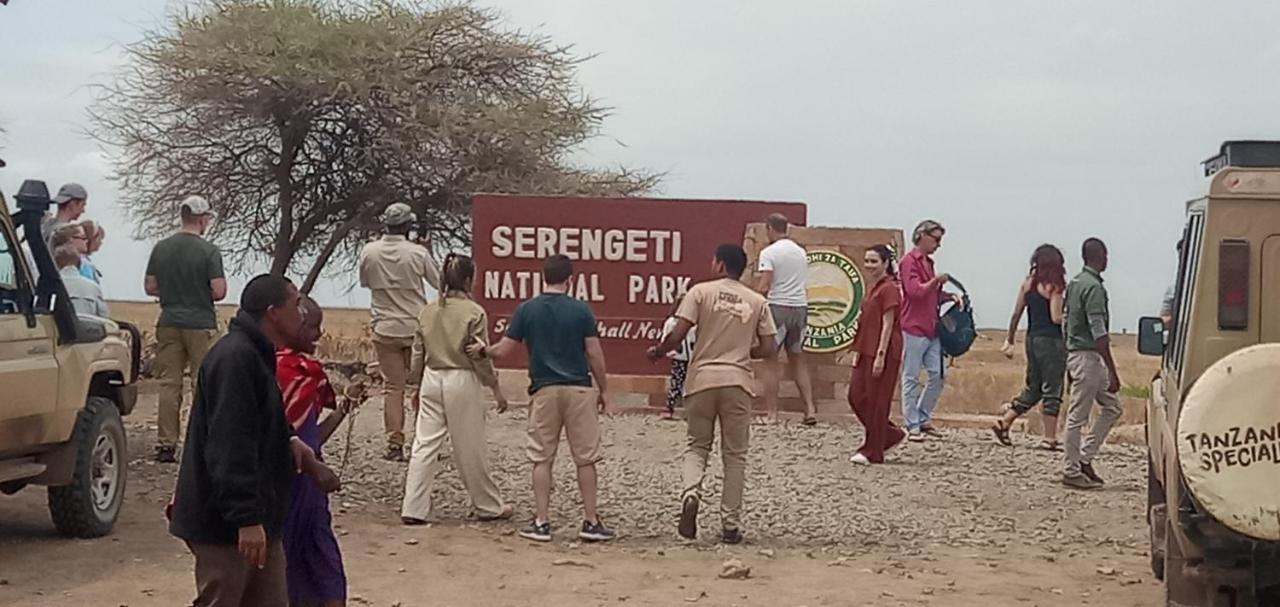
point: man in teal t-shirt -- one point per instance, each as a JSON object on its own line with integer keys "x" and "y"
{"x": 564, "y": 349}
{"x": 185, "y": 273}
{"x": 554, "y": 327}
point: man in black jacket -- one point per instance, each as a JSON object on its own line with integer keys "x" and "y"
{"x": 240, "y": 456}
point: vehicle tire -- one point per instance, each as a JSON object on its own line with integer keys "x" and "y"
{"x": 89, "y": 506}
{"x": 1157, "y": 517}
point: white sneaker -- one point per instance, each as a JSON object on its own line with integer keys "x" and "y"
{"x": 859, "y": 459}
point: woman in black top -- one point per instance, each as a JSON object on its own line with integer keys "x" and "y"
{"x": 1041, "y": 296}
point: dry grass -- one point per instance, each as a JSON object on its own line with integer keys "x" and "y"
{"x": 346, "y": 329}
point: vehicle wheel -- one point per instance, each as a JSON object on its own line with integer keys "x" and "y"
{"x": 1157, "y": 521}
{"x": 89, "y": 506}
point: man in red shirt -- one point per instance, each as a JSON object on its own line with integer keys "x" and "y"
{"x": 921, "y": 296}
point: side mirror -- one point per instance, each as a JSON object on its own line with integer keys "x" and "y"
{"x": 1150, "y": 336}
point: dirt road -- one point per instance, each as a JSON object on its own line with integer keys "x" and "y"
{"x": 960, "y": 522}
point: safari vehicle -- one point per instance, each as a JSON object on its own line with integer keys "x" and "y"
{"x": 1213, "y": 419}
{"x": 65, "y": 382}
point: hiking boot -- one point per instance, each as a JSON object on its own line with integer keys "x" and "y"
{"x": 395, "y": 453}
{"x": 689, "y": 518}
{"x": 1080, "y": 481}
{"x": 1087, "y": 470}
{"x": 731, "y": 536}
{"x": 538, "y": 532}
{"x": 595, "y": 532}
{"x": 167, "y": 454}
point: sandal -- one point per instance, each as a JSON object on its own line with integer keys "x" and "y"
{"x": 507, "y": 512}
{"x": 1002, "y": 433}
{"x": 1049, "y": 445}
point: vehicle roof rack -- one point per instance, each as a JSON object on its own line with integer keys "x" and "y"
{"x": 1248, "y": 153}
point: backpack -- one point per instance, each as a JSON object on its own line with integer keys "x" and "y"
{"x": 956, "y": 329}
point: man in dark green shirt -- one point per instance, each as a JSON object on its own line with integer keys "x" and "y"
{"x": 1091, "y": 368}
{"x": 560, "y": 335}
{"x": 185, "y": 273}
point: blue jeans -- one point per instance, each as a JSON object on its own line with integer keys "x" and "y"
{"x": 917, "y": 402}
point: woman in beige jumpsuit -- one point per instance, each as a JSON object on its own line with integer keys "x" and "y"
{"x": 452, "y": 397}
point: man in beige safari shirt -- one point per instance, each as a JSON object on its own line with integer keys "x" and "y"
{"x": 734, "y": 325}
{"x": 393, "y": 268}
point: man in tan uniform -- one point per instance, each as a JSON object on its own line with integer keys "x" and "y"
{"x": 734, "y": 325}
{"x": 393, "y": 268}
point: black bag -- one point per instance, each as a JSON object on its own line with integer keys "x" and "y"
{"x": 956, "y": 330}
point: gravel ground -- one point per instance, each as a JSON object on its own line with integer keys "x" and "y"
{"x": 963, "y": 490}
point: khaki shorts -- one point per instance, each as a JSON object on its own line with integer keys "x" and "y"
{"x": 572, "y": 408}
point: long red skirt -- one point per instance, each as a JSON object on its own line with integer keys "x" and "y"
{"x": 871, "y": 398}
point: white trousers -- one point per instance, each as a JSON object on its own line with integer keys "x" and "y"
{"x": 451, "y": 404}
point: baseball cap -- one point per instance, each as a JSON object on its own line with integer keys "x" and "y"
{"x": 398, "y": 214}
{"x": 196, "y": 205}
{"x": 69, "y": 192}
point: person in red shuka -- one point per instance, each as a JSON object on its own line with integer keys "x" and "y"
{"x": 877, "y": 357}
{"x": 313, "y": 560}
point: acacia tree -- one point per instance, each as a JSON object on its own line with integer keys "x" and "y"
{"x": 301, "y": 120}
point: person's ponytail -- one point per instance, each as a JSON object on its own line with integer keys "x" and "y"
{"x": 458, "y": 273}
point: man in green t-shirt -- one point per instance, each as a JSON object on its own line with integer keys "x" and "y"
{"x": 185, "y": 272}
{"x": 560, "y": 335}
{"x": 1091, "y": 368}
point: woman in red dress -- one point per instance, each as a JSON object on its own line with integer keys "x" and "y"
{"x": 877, "y": 357}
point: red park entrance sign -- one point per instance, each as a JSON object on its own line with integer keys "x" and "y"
{"x": 632, "y": 257}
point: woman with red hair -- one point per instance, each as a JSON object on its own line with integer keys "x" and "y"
{"x": 1041, "y": 297}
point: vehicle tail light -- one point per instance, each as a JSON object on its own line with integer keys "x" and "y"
{"x": 1233, "y": 285}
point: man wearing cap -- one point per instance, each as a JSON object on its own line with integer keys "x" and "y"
{"x": 393, "y": 268}
{"x": 185, "y": 272}
{"x": 71, "y": 200}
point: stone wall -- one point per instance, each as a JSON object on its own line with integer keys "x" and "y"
{"x": 830, "y": 370}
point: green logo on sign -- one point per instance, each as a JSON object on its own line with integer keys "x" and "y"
{"x": 835, "y": 293}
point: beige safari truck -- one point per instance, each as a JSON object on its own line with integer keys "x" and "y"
{"x": 1213, "y": 419}
{"x": 65, "y": 382}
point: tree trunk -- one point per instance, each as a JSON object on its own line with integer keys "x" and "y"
{"x": 326, "y": 252}
{"x": 291, "y": 138}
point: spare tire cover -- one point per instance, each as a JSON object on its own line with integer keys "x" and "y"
{"x": 1229, "y": 441}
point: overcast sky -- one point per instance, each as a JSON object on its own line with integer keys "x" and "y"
{"x": 1011, "y": 122}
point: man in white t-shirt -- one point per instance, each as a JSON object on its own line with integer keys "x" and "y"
{"x": 784, "y": 268}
